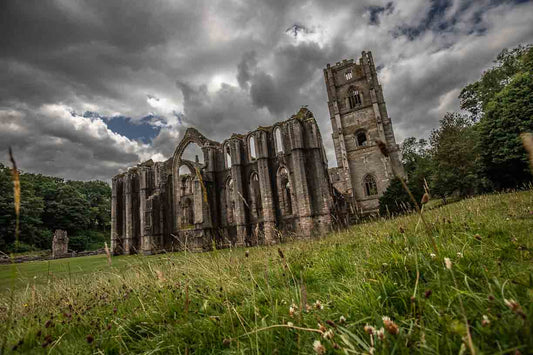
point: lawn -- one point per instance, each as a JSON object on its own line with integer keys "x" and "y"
{"x": 378, "y": 287}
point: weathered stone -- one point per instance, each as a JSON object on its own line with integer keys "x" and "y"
{"x": 60, "y": 244}
{"x": 252, "y": 189}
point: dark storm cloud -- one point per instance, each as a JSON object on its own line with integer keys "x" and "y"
{"x": 144, "y": 71}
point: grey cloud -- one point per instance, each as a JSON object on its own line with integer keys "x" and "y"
{"x": 229, "y": 67}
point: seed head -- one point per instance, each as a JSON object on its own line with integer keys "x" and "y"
{"x": 448, "y": 263}
{"x": 318, "y": 347}
{"x": 369, "y": 329}
{"x": 485, "y": 321}
{"x": 425, "y": 198}
{"x": 381, "y": 333}
{"x": 318, "y": 305}
{"x": 342, "y": 320}
{"x": 390, "y": 326}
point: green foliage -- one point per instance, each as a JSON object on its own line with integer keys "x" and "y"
{"x": 507, "y": 115}
{"x": 475, "y": 97}
{"x": 238, "y": 300}
{"x": 49, "y": 203}
{"x": 502, "y": 102}
{"x": 417, "y": 164}
{"x": 455, "y": 157}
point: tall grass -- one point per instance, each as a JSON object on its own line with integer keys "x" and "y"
{"x": 374, "y": 288}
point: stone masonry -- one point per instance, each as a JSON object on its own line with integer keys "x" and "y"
{"x": 59, "y": 244}
{"x": 251, "y": 189}
{"x": 359, "y": 118}
{"x": 260, "y": 187}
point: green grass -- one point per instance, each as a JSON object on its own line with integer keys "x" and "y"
{"x": 226, "y": 302}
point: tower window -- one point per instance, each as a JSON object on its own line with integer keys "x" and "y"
{"x": 348, "y": 75}
{"x": 361, "y": 139}
{"x": 354, "y": 98}
{"x": 370, "y": 186}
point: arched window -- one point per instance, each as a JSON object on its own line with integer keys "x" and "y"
{"x": 251, "y": 145}
{"x": 256, "y": 204}
{"x": 370, "y": 186}
{"x": 230, "y": 203}
{"x": 277, "y": 140}
{"x": 361, "y": 139}
{"x": 354, "y": 98}
{"x": 284, "y": 192}
{"x": 227, "y": 154}
{"x": 348, "y": 74}
{"x": 187, "y": 213}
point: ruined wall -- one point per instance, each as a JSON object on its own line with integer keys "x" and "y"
{"x": 250, "y": 190}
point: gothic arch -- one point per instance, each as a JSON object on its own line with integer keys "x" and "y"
{"x": 284, "y": 191}
{"x": 191, "y": 136}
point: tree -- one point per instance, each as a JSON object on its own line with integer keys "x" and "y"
{"x": 417, "y": 165}
{"x": 475, "y": 97}
{"x": 507, "y": 115}
{"x": 454, "y": 151}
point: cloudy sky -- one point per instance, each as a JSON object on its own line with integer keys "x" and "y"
{"x": 88, "y": 88}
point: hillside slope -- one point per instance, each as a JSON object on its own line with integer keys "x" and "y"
{"x": 284, "y": 301}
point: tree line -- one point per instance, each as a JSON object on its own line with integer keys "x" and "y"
{"x": 50, "y": 203}
{"x": 479, "y": 149}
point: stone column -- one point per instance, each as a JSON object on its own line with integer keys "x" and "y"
{"x": 114, "y": 219}
{"x": 301, "y": 187}
{"x": 128, "y": 205}
{"x": 238, "y": 192}
{"x": 265, "y": 184}
{"x": 146, "y": 246}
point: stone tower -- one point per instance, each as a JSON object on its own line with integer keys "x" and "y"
{"x": 359, "y": 117}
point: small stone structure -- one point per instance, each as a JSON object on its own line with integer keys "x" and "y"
{"x": 60, "y": 244}
{"x": 253, "y": 188}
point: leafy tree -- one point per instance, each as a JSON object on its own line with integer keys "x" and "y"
{"x": 417, "y": 165}
{"x": 507, "y": 115}
{"x": 454, "y": 151}
{"x": 475, "y": 97}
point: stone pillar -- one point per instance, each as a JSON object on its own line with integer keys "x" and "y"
{"x": 59, "y": 244}
{"x": 114, "y": 219}
{"x": 146, "y": 245}
{"x": 238, "y": 192}
{"x": 265, "y": 184}
{"x": 128, "y": 220}
{"x": 301, "y": 187}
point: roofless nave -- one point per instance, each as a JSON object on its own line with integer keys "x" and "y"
{"x": 256, "y": 188}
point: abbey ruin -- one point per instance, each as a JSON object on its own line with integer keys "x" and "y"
{"x": 259, "y": 187}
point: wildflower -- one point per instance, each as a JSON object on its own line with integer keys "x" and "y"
{"x": 331, "y": 323}
{"x": 342, "y": 320}
{"x": 512, "y": 304}
{"x": 433, "y": 256}
{"x": 292, "y": 310}
{"x": 425, "y": 198}
{"x": 246, "y": 253}
{"x": 448, "y": 263}
{"x": 322, "y": 328}
{"x": 318, "y": 347}
{"x": 390, "y": 326}
{"x": 459, "y": 254}
{"x": 290, "y": 324}
{"x": 369, "y": 329}
{"x": 427, "y": 293}
{"x": 381, "y": 333}
{"x": 477, "y": 236}
{"x": 318, "y": 305}
{"x": 308, "y": 307}
{"x": 329, "y": 334}
{"x": 485, "y": 321}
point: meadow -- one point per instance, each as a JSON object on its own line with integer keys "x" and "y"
{"x": 377, "y": 287}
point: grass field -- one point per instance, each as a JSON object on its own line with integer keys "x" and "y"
{"x": 328, "y": 295}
